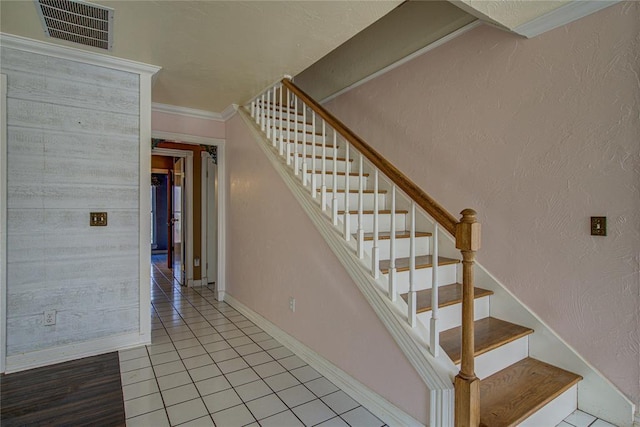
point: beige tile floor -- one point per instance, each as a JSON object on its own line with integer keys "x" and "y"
{"x": 208, "y": 365}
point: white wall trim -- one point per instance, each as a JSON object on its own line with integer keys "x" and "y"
{"x": 204, "y": 184}
{"x": 50, "y": 356}
{"x": 186, "y": 112}
{"x": 74, "y": 54}
{"x": 221, "y": 279}
{"x": 144, "y": 205}
{"x": 3, "y": 221}
{"x": 406, "y": 59}
{"x": 191, "y": 139}
{"x": 436, "y": 372}
{"x": 188, "y": 196}
{"x": 375, "y": 403}
{"x": 561, "y": 16}
{"x": 230, "y": 111}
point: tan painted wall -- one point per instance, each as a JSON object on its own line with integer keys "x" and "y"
{"x": 274, "y": 252}
{"x": 537, "y": 135}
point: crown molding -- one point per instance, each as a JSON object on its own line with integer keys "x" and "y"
{"x": 230, "y": 111}
{"x": 561, "y": 16}
{"x": 74, "y": 54}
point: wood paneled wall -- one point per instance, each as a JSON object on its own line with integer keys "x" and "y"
{"x": 73, "y": 148}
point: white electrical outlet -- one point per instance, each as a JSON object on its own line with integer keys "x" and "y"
{"x": 292, "y": 304}
{"x": 49, "y": 317}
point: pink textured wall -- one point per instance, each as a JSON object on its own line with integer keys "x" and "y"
{"x": 537, "y": 135}
{"x": 176, "y": 123}
{"x": 274, "y": 252}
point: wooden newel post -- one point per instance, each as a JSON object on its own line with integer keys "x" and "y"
{"x": 467, "y": 385}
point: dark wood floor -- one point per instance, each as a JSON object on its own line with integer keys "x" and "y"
{"x": 81, "y": 392}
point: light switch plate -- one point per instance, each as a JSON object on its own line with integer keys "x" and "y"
{"x": 98, "y": 219}
{"x": 598, "y": 225}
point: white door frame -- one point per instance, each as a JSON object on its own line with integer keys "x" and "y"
{"x": 188, "y": 196}
{"x": 3, "y": 222}
{"x": 220, "y": 203}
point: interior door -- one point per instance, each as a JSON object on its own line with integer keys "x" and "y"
{"x": 177, "y": 220}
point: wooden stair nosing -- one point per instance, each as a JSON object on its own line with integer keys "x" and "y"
{"x": 515, "y": 393}
{"x": 319, "y": 157}
{"x": 317, "y": 144}
{"x": 330, "y": 190}
{"x": 489, "y": 333}
{"x": 370, "y": 212}
{"x": 447, "y": 295}
{"x": 386, "y": 235}
{"x": 308, "y": 132}
{"x": 338, "y": 173}
{"x": 422, "y": 261}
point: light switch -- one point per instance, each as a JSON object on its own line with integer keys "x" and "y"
{"x": 98, "y": 219}
{"x": 598, "y": 225}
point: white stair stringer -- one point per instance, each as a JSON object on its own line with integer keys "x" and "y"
{"x": 436, "y": 372}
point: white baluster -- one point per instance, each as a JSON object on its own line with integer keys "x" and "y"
{"x": 323, "y": 187}
{"x": 347, "y": 216}
{"x": 304, "y": 147}
{"x": 434, "y": 343}
{"x": 274, "y": 127}
{"x": 268, "y": 121}
{"x": 314, "y": 182}
{"x": 253, "y": 109}
{"x": 288, "y": 135}
{"x": 393, "y": 293}
{"x": 263, "y": 113}
{"x": 412, "y": 267}
{"x": 258, "y": 111}
{"x": 375, "y": 252}
{"x": 360, "y": 208}
{"x": 334, "y": 200}
{"x": 281, "y": 123}
{"x": 296, "y": 157}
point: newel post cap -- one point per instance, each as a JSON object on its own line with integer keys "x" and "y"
{"x": 468, "y": 231}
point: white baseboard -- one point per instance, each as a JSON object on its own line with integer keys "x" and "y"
{"x": 65, "y": 353}
{"x": 380, "y": 407}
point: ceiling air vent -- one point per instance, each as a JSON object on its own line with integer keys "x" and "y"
{"x": 77, "y": 21}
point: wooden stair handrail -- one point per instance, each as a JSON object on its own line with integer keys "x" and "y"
{"x": 466, "y": 232}
{"x": 421, "y": 198}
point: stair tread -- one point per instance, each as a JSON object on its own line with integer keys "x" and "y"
{"x": 447, "y": 295}
{"x": 516, "y": 392}
{"x": 342, "y": 190}
{"x": 319, "y": 156}
{"x": 489, "y": 333}
{"x": 386, "y": 235}
{"x": 422, "y": 261}
{"x": 339, "y": 173}
{"x": 370, "y": 212}
{"x": 317, "y": 144}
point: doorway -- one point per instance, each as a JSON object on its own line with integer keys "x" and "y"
{"x": 176, "y": 209}
{"x": 206, "y": 255}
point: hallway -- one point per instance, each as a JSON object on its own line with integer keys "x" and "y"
{"x": 208, "y": 364}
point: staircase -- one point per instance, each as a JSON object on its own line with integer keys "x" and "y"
{"x": 407, "y": 251}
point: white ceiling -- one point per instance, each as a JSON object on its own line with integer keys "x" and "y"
{"x": 215, "y": 53}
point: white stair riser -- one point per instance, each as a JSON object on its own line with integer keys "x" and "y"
{"x": 291, "y": 135}
{"x": 555, "y": 411}
{"x": 402, "y": 247}
{"x": 314, "y": 149}
{"x": 294, "y": 125}
{"x": 316, "y": 164}
{"x": 496, "y": 360}
{"x": 383, "y": 219}
{"x": 367, "y": 200}
{"x": 451, "y": 316}
{"x": 446, "y": 276}
{"x": 354, "y": 182}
